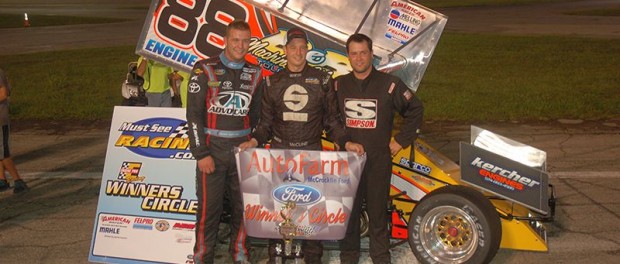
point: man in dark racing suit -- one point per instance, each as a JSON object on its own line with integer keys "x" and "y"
{"x": 223, "y": 106}
{"x": 298, "y": 103}
{"x": 368, "y": 99}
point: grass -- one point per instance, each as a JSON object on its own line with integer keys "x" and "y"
{"x": 597, "y": 12}
{"x": 470, "y": 78}
{"x": 483, "y": 77}
{"x": 79, "y": 84}
{"x": 458, "y": 3}
{"x": 17, "y": 20}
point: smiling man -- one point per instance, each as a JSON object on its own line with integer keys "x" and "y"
{"x": 223, "y": 107}
{"x": 298, "y": 104}
{"x": 368, "y": 100}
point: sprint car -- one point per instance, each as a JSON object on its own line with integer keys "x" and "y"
{"x": 498, "y": 197}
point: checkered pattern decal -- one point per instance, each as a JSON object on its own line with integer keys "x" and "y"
{"x": 270, "y": 177}
{"x": 180, "y": 131}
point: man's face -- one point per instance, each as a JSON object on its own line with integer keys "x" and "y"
{"x": 237, "y": 44}
{"x": 360, "y": 56}
{"x": 296, "y": 51}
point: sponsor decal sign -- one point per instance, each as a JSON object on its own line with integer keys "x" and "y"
{"x": 180, "y": 33}
{"x": 147, "y": 196}
{"x": 405, "y": 20}
{"x": 321, "y": 183}
{"x": 505, "y": 177}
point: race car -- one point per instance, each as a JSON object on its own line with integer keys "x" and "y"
{"x": 455, "y": 214}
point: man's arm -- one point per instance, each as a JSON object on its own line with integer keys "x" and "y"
{"x": 196, "y": 112}
{"x": 409, "y": 106}
{"x": 255, "y": 114}
{"x": 331, "y": 118}
{"x": 142, "y": 61}
{"x": 263, "y": 132}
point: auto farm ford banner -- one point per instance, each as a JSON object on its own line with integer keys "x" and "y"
{"x": 179, "y": 33}
{"x": 147, "y": 201}
{"x": 322, "y": 184}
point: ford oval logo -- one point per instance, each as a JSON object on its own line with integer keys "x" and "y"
{"x": 298, "y": 193}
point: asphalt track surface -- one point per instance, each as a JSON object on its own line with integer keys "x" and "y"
{"x": 52, "y": 223}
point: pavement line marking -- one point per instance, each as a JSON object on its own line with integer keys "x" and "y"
{"x": 584, "y": 174}
{"x": 61, "y": 175}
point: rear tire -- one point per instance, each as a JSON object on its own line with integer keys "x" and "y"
{"x": 454, "y": 224}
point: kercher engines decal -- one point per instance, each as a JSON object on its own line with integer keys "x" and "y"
{"x": 161, "y": 138}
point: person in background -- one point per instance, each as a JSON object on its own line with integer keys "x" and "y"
{"x": 223, "y": 105}
{"x": 373, "y": 97}
{"x": 157, "y": 82}
{"x": 7, "y": 162}
{"x": 182, "y": 79}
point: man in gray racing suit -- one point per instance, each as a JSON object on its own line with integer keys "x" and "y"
{"x": 223, "y": 106}
{"x": 298, "y": 104}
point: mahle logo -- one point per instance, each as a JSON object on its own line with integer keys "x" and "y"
{"x": 161, "y": 138}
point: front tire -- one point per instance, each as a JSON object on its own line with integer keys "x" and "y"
{"x": 454, "y": 224}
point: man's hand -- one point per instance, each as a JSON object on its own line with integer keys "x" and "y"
{"x": 252, "y": 143}
{"x": 354, "y": 147}
{"x": 395, "y": 147}
{"x": 206, "y": 165}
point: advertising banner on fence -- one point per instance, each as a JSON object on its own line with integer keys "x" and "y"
{"x": 322, "y": 185}
{"x": 147, "y": 199}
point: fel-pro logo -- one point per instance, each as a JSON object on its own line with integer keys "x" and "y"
{"x": 295, "y": 99}
{"x": 361, "y": 113}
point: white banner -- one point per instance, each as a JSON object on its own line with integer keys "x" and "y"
{"x": 321, "y": 183}
{"x": 147, "y": 199}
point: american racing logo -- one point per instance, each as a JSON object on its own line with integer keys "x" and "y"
{"x": 298, "y": 193}
{"x": 506, "y": 178}
{"x": 163, "y": 138}
{"x": 361, "y": 113}
{"x": 232, "y": 103}
{"x": 116, "y": 220}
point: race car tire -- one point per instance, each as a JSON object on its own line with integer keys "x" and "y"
{"x": 454, "y": 224}
{"x": 364, "y": 224}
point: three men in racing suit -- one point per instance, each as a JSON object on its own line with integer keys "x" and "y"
{"x": 298, "y": 103}
{"x": 223, "y": 107}
{"x": 368, "y": 99}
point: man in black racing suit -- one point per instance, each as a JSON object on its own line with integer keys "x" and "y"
{"x": 223, "y": 106}
{"x": 298, "y": 103}
{"x": 368, "y": 99}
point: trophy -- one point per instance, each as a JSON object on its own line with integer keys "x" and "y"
{"x": 288, "y": 230}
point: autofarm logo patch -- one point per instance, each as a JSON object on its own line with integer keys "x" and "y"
{"x": 162, "y": 138}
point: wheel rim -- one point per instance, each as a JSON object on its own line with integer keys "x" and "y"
{"x": 363, "y": 224}
{"x": 448, "y": 234}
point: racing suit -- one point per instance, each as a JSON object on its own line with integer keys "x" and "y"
{"x": 296, "y": 108}
{"x": 367, "y": 107}
{"x": 223, "y": 106}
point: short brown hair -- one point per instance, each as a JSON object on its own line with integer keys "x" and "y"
{"x": 359, "y": 38}
{"x": 238, "y": 25}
